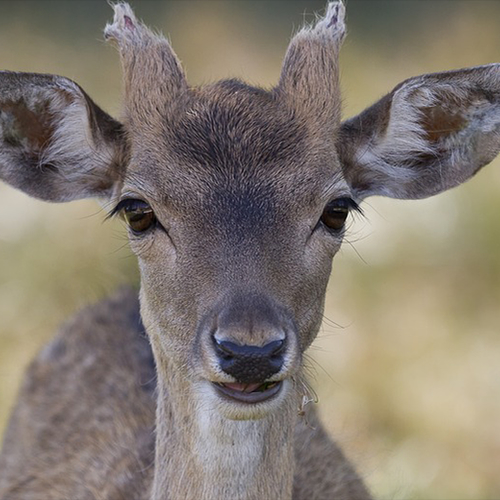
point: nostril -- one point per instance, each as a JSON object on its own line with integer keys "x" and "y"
{"x": 225, "y": 349}
{"x": 276, "y": 347}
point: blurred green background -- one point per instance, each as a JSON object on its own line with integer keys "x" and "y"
{"x": 407, "y": 361}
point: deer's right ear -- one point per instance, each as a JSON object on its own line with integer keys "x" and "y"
{"x": 431, "y": 133}
{"x": 55, "y": 143}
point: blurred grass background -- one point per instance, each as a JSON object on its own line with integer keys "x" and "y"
{"x": 407, "y": 361}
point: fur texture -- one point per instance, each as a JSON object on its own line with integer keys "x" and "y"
{"x": 241, "y": 185}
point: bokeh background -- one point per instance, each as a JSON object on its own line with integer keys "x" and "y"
{"x": 408, "y": 360}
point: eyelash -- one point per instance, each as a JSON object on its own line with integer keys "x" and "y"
{"x": 117, "y": 210}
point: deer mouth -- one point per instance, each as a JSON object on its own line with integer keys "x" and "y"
{"x": 249, "y": 393}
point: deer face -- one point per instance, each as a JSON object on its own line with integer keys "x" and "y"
{"x": 236, "y": 197}
{"x": 235, "y": 216}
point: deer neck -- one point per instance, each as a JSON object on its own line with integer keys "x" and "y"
{"x": 202, "y": 455}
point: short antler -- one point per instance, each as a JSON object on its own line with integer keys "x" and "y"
{"x": 310, "y": 74}
{"x": 152, "y": 72}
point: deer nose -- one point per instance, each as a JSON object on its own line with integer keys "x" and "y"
{"x": 249, "y": 363}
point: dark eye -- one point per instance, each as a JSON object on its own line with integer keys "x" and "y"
{"x": 335, "y": 213}
{"x": 138, "y": 214}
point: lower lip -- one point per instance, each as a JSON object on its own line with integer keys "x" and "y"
{"x": 249, "y": 397}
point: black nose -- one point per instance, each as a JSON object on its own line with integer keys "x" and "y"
{"x": 249, "y": 363}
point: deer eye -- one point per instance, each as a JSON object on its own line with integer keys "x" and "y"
{"x": 138, "y": 214}
{"x": 335, "y": 213}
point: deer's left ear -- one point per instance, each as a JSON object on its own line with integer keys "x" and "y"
{"x": 56, "y": 144}
{"x": 429, "y": 134}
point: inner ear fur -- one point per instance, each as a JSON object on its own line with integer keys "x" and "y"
{"x": 431, "y": 133}
{"x": 56, "y": 144}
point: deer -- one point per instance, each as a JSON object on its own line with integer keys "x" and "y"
{"x": 235, "y": 200}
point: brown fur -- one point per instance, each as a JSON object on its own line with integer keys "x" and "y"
{"x": 238, "y": 179}
{"x": 104, "y": 449}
